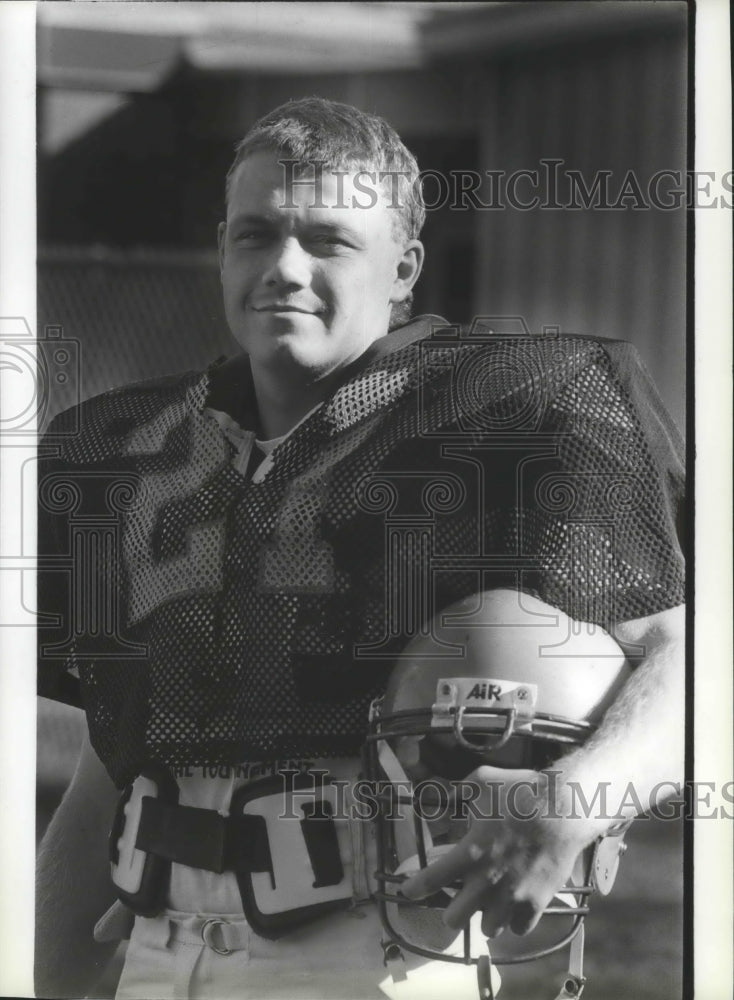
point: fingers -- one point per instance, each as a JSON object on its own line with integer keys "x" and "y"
{"x": 481, "y": 894}
{"x": 477, "y": 845}
{"x": 440, "y": 873}
{"x": 532, "y": 896}
{"x": 497, "y": 899}
{"x": 491, "y": 926}
{"x": 505, "y": 868}
{"x": 525, "y": 915}
{"x": 505, "y": 897}
{"x": 522, "y": 915}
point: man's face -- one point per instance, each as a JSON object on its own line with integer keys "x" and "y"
{"x": 308, "y": 288}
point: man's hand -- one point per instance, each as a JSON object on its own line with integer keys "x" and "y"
{"x": 514, "y": 858}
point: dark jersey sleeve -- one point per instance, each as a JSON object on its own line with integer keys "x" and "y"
{"x": 83, "y": 479}
{"x": 56, "y": 672}
{"x": 603, "y": 516}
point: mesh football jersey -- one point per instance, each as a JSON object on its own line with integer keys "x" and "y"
{"x": 209, "y": 619}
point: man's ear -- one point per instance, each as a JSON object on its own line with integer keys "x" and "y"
{"x": 409, "y": 267}
{"x": 221, "y": 237}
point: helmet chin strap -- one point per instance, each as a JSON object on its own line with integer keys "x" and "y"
{"x": 407, "y": 842}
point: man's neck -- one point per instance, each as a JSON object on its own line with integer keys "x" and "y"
{"x": 284, "y": 401}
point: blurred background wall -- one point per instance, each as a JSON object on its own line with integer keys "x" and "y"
{"x": 140, "y": 106}
{"x": 139, "y": 113}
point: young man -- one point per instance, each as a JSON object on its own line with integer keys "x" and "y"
{"x": 258, "y": 600}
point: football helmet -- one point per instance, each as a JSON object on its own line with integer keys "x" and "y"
{"x": 499, "y": 678}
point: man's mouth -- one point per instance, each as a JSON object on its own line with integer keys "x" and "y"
{"x": 282, "y": 307}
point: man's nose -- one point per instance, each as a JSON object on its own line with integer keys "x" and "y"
{"x": 289, "y": 264}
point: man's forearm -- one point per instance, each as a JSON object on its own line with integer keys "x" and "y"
{"x": 67, "y": 959}
{"x": 73, "y": 888}
{"x": 636, "y": 757}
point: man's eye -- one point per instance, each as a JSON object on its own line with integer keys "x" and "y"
{"x": 329, "y": 241}
{"x": 251, "y": 236}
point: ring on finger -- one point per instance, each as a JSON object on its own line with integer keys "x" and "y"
{"x": 492, "y": 875}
